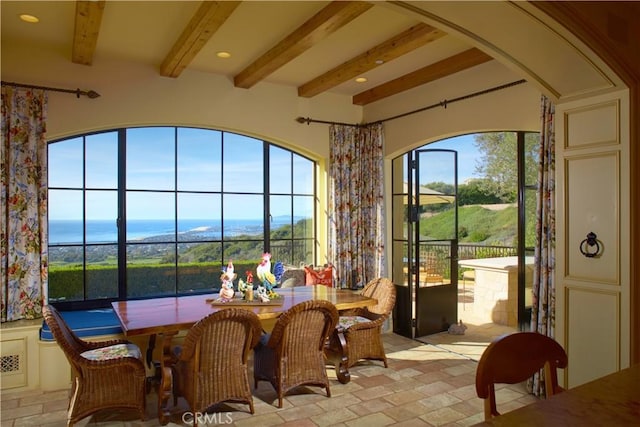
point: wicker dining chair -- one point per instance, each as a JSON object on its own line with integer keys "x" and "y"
{"x": 362, "y": 327}
{"x": 514, "y": 358}
{"x": 292, "y": 355}
{"x": 106, "y": 374}
{"x": 211, "y": 365}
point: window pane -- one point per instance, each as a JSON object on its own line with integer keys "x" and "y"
{"x": 439, "y": 168}
{"x": 400, "y": 217}
{"x": 199, "y": 267}
{"x": 243, "y": 215}
{"x": 65, "y": 216}
{"x": 279, "y": 170}
{"x": 151, "y": 270}
{"x": 199, "y": 216}
{"x": 530, "y": 200}
{"x": 400, "y": 263}
{"x": 245, "y": 254}
{"x": 101, "y": 216}
{"x": 243, "y": 169}
{"x": 531, "y": 158}
{"x": 303, "y": 217}
{"x": 282, "y": 250}
{"x": 302, "y": 175}
{"x": 66, "y": 274}
{"x": 102, "y": 160}
{"x": 303, "y": 252}
{"x": 151, "y": 159}
{"x": 199, "y": 159}
{"x": 150, "y": 215}
{"x": 102, "y": 271}
{"x": 65, "y": 163}
{"x": 143, "y": 205}
{"x": 281, "y": 221}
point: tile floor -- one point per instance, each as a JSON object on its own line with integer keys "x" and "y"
{"x": 428, "y": 383}
{"x": 425, "y": 385}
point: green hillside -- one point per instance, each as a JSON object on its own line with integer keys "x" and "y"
{"x": 476, "y": 224}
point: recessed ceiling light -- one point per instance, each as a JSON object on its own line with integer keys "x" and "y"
{"x": 361, "y": 79}
{"x": 379, "y": 61}
{"x": 223, "y": 54}
{"x": 29, "y": 18}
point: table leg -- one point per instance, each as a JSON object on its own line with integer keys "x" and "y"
{"x": 337, "y": 353}
{"x": 152, "y": 381}
{"x": 166, "y": 382}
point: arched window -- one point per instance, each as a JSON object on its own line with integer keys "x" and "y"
{"x": 159, "y": 211}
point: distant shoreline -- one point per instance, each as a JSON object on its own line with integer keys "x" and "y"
{"x": 106, "y": 231}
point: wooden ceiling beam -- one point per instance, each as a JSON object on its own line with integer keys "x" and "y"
{"x": 446, "y": 67}
{"x": 86, "y": 30}
{"x": 401, "y": 44}
{"x": 203, "y": 25}
{"x": 328, "y": 20}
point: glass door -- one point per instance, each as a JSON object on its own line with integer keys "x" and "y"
{"x": 435, "y": 249}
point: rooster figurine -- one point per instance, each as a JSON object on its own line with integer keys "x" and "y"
{"x": 264, "y": 274}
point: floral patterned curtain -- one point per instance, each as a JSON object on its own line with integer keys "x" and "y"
{"x": 23, "y": 203}
{"x": 356, "y": 226}
{"x": 544, "y": 287}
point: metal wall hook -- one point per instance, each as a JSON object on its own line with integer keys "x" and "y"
{"x": 589, "y": 242}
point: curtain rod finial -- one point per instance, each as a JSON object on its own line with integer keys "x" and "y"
{"x": 93, "y": 94}
{"x": 303, "y": 120}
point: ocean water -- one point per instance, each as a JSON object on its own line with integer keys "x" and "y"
{"x": 70, "y": 231}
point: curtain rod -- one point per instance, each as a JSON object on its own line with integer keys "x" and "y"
{"x": 88, "y": 93}
{"x": 443, "y": 104}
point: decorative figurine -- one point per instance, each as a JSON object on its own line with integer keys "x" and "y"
{"x": 265, "y": 275}
{"x": 261, "y": 294}
{"x": 227, "y": 292}
{"x": 242, "y": 288}
{"x": 245, "y": 287}
{"x": 278, "y": 271}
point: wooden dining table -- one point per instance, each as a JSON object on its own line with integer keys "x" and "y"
{"x": 165, "y": 317}
{"x": 613, "y": 400}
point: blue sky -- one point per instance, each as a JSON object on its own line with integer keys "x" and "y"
{"x": 468, "y": 155}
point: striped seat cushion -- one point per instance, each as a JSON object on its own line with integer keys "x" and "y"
{"x": 113, "y": 352}
{"x": 347, "y": 321}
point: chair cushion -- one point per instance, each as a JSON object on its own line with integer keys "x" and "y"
{"x": 113, "y": 352}
{"x": 346, "y": 321}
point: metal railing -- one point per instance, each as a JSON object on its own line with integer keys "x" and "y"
{"x": 439, "y": 255}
